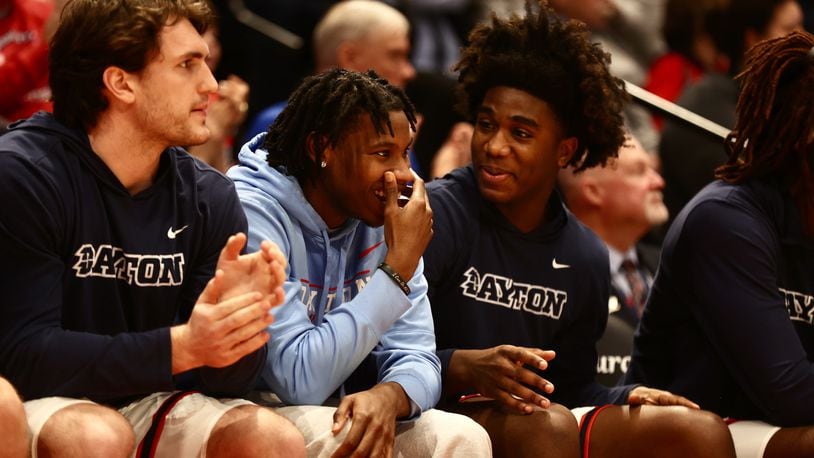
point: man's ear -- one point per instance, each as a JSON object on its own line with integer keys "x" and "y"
{"x": 565, "y": 150}
{"x": 119, "y": 84}
{"x": 346, "y": 55}
{"x": 592, "y": 191}
{"x": 314, "y": 143}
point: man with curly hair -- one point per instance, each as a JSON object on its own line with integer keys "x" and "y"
{"x": 511, "y": 272}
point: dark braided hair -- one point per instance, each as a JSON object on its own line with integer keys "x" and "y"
{"x": 774, "y": 130}
{"x": 323, "y": 109}
{"x": 556, "y": 62}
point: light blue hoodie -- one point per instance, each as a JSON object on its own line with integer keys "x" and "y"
{"x": 339, "y": 306}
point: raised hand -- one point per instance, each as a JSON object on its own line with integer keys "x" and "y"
{"x": 503, "y": 373}
{"x": 374, "y": 413}
{"x": 220, "y": 333}
{"x": 408, "y": 229}
{"x": 642, "y": 395}
{"x": 262, "y": 271}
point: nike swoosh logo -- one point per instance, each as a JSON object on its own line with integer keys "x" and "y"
{"x": 171, "y": 234}
{"x": 369, "y": 250}
{"x": 557, "y": 265}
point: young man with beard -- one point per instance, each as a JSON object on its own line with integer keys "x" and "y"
{"x": 729, "y": 320}
{"x": 519, "y": 288}
{"x": 356, "y": 323}
{"x": 111, "y": 237}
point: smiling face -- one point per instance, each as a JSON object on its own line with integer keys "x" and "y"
{"x": 172, "y": 92}
{"x": 352, "y": 183}
{"x": 518, "y": 148}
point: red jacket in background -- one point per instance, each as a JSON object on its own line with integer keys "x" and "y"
{"x": 24, "y": 60}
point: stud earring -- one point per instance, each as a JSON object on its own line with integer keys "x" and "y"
{"x": 323, "y": 164}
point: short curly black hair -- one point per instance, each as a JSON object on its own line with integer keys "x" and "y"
{"x": 325, "y": 107}
{"x": 556, "y": 62}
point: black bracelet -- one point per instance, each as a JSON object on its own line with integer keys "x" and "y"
{"x": 395, "y": 277}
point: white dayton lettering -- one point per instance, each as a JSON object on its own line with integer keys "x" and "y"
{"x": 799, "y": 305}
{"x": 106, "y": 261}
{"x": 610, "y": 364}
{"x": 498, "y": 290}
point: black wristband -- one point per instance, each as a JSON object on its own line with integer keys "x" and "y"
{"x": 395, "y": 277}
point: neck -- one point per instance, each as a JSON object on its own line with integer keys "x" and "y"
{"x": 526, "y": 216}
{"x": 131, "y": 159}
{"x": 614, "y": 234}
{"x": 316, "y": 195}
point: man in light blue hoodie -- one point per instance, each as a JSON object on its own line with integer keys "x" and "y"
{"x": 324, "y": 185}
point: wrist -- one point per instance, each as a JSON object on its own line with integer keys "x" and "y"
{"x": 397, "y": 278}
{"x": 458, "y": 379}
{"x": 398, "y": 398}
{"x": 182, "y": 358}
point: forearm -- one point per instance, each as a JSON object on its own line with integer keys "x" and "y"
{"x": 307, "y": 362}
{"x": 234, "y": 380}
{"x": 56, "y": 362}
{"x": 457, "y": 378}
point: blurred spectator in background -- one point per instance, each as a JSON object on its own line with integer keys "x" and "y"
{"x": 23, "y": 59}
{"x": 355, "y": 35}
{"x": 691, "y": 51}
{"x": 621, "y": 202}
{"x": 227, "y": 110}
{"x": 689, "y": 157}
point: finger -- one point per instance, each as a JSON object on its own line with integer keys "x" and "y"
{"x": 391, "y": 190}
{"x": 341, "y": 415}
{"x": 278, "y": 296}
{"x": 669, "y": 399}
{"x": 230, "y": 306}
{"x": 355, "y": 436}
{"x": 234, "y": 244}
{"x": 513, "y": 404}
{"x": 250, "y": 345}
{"x": 533, "y": 357}
{"x": 418, "y": 186}
{"x": 530, "y": 378}
{"x": 371, "y": 443}
{"x": 212, "y": 291}
{"x": 248, "y": 322}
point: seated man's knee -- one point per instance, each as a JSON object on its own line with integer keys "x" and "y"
{"x": 253, "y": 431}
{"x": 671, "y": 431}
{"x": 13, "y": 426}
{"x": 704, "y": 433}
{"x": 454, "y": 435}
{"x": 88, "y": 430}
{"x": 548, "y": 433}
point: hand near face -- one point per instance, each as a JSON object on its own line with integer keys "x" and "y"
{"x": 407, "y": 230}
{"x": 504, "y": 373}
{"x": 374, "y": 413}
{"x": 228, "y": 111}
{"x": 642, "y": 395}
